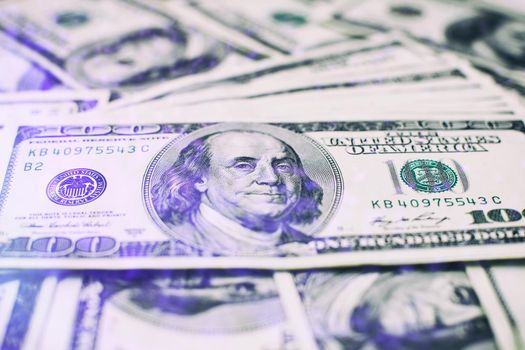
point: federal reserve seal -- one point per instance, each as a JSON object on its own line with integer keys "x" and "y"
{"x": 76, "y": 187}
{"x": 425, "y": 175}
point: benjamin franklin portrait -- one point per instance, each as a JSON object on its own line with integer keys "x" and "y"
{"x": 479, "y": 33}
{"x": 194, "y": 309}
{"x": 144, "y": 57}
{"x": 490, "y": 35}
{"x": 397, "y": 310}
{"x": 237, "y": 189}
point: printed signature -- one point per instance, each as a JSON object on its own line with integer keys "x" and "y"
{"x": 429, "y": 219}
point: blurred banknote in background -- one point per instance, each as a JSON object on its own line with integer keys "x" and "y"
{"x": 192, "y": 309}
{"x": 438, "y": 307}
{"x": 120, "y": 45}
{"x": 490, "y": 33}
{"x": 413, "y": 308}
{"x": 492, "y": 38}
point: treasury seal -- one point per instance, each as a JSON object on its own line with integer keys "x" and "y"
{"x": 425, "y": 175}
{"x": 76, "y": 187}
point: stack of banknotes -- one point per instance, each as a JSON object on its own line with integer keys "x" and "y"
{"x": 273, "y": 175}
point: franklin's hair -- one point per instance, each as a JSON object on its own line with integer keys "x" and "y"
{"x": 175, "y": 196}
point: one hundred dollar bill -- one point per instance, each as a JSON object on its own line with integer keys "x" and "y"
{"x": 283, "y": 195}
{"x": 195, "y": 309}
{"x": 123, "y": 45}
{"x": 438, "y": 306}
{"x": 490, "y": 37}
{"x": 408, "y": 308}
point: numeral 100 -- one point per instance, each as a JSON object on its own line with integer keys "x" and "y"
{"x": 496, "y": 215}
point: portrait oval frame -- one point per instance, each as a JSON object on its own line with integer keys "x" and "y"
{"x": 317, "y": 162}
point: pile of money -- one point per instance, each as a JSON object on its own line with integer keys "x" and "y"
{"x": 273, "y": 175}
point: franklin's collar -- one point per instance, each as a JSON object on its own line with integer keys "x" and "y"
{"x": 209, "y": 221}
